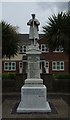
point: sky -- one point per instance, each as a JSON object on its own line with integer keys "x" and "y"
{"x": 19, "y": 13}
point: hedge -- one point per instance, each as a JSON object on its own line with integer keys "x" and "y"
{"x": 62, "y": 76}
{"x": 50, "y": 81}
{"x": 8, "y": 76}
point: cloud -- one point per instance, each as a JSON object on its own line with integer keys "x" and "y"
{"x": 19, "y": 13}
{"x": 61, "y": 6}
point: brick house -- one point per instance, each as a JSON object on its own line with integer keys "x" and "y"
{"x": 50, "y": 62}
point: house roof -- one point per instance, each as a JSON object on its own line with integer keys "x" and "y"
{"x": 24, "y": 38}
{"x": 15, "y": 58}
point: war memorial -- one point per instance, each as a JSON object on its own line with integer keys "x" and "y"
{"x": 33, "y": 92}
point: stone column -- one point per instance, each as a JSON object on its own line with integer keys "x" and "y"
{"x": 33, "y": 66}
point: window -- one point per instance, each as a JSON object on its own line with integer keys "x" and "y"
{"x": 46, "y": 64}
{"x": 59, "y": 49}
{"x": 44, "y": 48}
{"x": 41, "y": 66}
{"x": 23, "y": 49}
{"x": 10, "y": 66}
{"x": 58, "y": 65}
{"x": 20, "y": 65}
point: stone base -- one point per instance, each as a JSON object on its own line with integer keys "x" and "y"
{"x": 33, "y": 99}
{"x": 33, "y": 82}
{"x": 21, "y": 109}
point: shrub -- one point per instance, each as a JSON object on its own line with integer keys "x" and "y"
{"x": 62, "y": 76}
{"x": 9, "y": 76}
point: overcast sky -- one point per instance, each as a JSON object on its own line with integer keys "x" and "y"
{"x": 19, "y": 13}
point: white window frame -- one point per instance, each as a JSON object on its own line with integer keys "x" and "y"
{"x": 57, "y": 65}
{"x": 45, "y": 47}
{"x": 20, "y": 50}
{"x": 23, "y": 49}
{"x": 46, "y": 62}
{"x": 19, "y": 65}
{"x": 10, "y": 66}
{"x": 61, "y": 49}
{"x": 46, "y": 68}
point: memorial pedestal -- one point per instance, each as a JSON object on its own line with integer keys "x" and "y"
{"x": 33, "y": 97}
{"x": 33, "y": 93}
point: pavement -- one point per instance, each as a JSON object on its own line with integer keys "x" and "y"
{"x": 59, "y": 104}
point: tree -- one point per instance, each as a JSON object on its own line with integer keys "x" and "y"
{"x": 10, "y": 40}
{"x": 58, "y": 32}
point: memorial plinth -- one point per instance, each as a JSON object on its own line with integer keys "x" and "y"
{"x": 33, "y": 99}
{"x": 33, "y": 93}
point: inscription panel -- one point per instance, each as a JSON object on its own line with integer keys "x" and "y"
{"x": 34, "y": 70}
{"x": 38, "y": 92}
